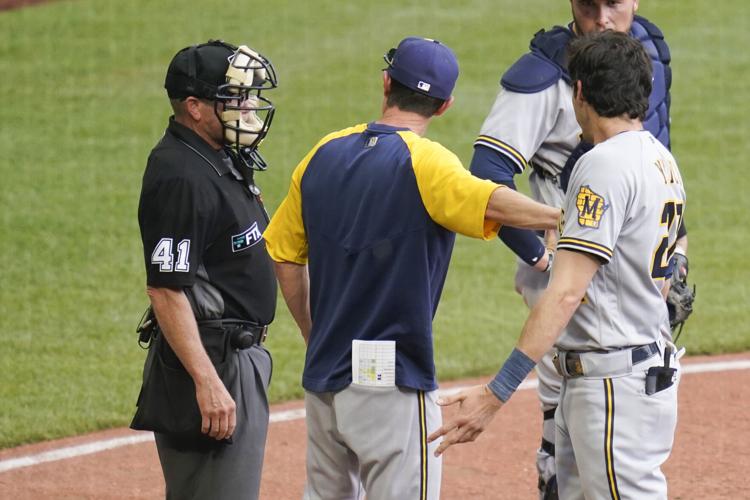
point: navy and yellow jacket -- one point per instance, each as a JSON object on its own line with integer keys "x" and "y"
{"x": 373, "y": 210}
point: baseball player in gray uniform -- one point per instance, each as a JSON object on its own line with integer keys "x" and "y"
{"x": 615, "y": 422}
{"x": 532, "y": 126}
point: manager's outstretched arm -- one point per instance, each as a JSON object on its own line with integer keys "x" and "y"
{"x": 497, "y": 167}
{"x": 511, "y": 208}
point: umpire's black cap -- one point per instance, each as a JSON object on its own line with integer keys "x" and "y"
{"x": 198, "y": 70}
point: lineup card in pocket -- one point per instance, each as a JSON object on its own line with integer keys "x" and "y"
{"x": 374, "y": 362}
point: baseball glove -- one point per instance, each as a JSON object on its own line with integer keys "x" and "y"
{"x": 680, "y": 297}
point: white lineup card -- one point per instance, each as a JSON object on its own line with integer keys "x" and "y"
{"x": 374, "y": 362}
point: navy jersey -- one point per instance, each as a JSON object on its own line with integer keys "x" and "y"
{"x": 373, "y": 211}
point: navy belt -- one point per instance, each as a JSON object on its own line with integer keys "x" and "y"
{"x": 638, "y": 354}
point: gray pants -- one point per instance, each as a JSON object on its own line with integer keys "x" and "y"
{"x": 210, "y": 470}
{"x": 372, "y": 439}
{"x": 612, "y": 438}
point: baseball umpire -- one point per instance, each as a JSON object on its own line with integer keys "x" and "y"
{"x": 374, "y": 209}
{"x": 617, "y": 413}
{"x": 210, "y": 281}
{"x": 532, "y": 126}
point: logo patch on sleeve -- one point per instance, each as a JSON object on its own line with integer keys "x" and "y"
{"x": 247, "y": 238}
{"x": 591, "y": 207}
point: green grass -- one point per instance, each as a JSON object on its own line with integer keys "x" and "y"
{"x": 81, "y": 105}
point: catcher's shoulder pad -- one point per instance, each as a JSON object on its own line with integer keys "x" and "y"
{"x": 643, "y": 28}
{"x": 543, "y": 66}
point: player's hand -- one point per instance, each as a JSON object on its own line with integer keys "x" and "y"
{"x": 477, "y": 407}
{"x": 218, "y": 410}
{"x": 544, "y": 263}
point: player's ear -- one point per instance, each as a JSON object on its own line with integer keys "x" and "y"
{"x": 578, "y": 91}
{"x": 444, "y": 107}
{"x": 386, "y": 83}
{"x": 386, "y": 90}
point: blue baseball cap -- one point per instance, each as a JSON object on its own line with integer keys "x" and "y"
{"x": 424, "y": 65}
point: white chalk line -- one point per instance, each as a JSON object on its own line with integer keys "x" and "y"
{"x": 68, "y": 452}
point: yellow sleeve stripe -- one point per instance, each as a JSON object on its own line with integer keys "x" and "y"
{"x": 590, "y": 244}
{"x": 502, "y": 147}
{"x": 586, "y": 246}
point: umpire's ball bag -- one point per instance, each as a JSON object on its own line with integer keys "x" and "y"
{"x": 167, "y": 401}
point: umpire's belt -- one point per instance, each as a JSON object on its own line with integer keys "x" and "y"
{"x": 243, "y": 334}
{"x": 573, "y": 364}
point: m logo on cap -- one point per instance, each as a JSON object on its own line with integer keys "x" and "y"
{"x": 423, "y": 86}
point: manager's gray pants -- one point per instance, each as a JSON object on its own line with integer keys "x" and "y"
{"x": 372, "y": 439}
{"x": 210, "y": 470}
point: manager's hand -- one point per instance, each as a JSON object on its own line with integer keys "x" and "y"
{"x": 477, "y": 407}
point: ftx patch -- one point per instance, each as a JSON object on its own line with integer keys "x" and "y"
{"x": 249, "y": 237}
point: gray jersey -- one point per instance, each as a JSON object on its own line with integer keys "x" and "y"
{"x": 538, "y": 129}
{"x": 624, "y": 205}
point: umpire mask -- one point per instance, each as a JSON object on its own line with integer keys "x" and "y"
{"x": 233, "y": 78}
{"x": 244, "y": 114}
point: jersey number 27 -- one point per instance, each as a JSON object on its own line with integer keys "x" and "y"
{"x": 671, "y": 216}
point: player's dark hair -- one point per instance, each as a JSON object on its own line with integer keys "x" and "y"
{"x": 407, "y": 99}
{"x": 614, "y": 71}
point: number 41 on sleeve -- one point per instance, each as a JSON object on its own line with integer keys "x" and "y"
{"x": 164, "y": 258}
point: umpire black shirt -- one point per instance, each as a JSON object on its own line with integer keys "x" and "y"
{"x": 202, "y": 229}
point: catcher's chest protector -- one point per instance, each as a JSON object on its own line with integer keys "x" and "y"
{"x": 545, "y": 64}
{"x": 657, "y": 116}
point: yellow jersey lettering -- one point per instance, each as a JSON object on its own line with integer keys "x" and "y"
{"x": 668, "y": 170}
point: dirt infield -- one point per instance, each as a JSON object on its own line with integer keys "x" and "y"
{"x": 15, "y": 4}
{"x": 710, "y": 456}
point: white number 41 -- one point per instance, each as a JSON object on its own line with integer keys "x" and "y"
{"x": 163, "y": 257}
